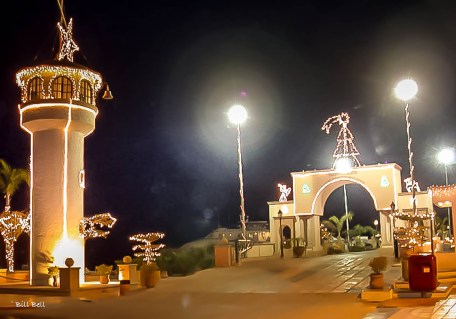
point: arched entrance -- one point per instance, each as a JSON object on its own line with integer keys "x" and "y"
{"x": 311, "y": 189}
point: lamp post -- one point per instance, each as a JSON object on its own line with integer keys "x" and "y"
{"x": 344, "y": 165}
{"x": 281, "y": 232}
{"x": 376, "y": 225}
{"x": 237, "y": 115}
{"x": 396, "y": 248}
{"x": 447, "y": 157}
{"x": 406, "y": 90}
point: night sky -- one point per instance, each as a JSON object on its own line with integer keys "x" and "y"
{"x": 163, "y": 155}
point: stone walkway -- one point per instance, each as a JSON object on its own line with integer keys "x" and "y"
{"x": 311, "y": 287}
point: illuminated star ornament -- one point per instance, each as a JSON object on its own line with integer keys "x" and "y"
{"x": 345, "y": 147}
{"x": 67, "y": 44}
{"x": 284, "y": 192}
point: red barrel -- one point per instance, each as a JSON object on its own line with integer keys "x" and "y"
{"x": 422, "y": 272}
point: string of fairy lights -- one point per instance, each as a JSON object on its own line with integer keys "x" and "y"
{"x": 12, "y": 225}
{"x": 88, "y": 225}
{"x": 149, "y": 250}
{"x": 51, "y": 72}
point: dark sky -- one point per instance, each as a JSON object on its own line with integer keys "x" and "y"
{"x": 163, "y": 156}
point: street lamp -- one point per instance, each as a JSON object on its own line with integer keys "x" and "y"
{"x": 447, "y": 157}
{"x": 376, "y": 225}
{"x": 406, "y": 90}
{"x": 237, "y": 115}
{"x": 281, "y": 232}
{"x": 344, "y": 165}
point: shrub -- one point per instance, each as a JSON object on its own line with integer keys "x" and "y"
{"x": 378, "y": 264}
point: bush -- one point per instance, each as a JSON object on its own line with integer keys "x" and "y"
{"x": 335, "y": 249}
{"x": 185, "y": 261}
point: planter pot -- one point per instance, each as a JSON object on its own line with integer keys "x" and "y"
{"x": 164, "y": 274}
{"x": 104, "y": 279}
{"x": 149, "y": 278}
{"x": 376, "y": 281}
{"x": 298, "y": 251}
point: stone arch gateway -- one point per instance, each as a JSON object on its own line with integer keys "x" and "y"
{"x": 311, "y": 190}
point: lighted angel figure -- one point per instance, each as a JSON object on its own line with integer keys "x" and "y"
{"x": 345, "y": 146}
{"x": 284, "y": 192}
{"x": 409, "y": 185}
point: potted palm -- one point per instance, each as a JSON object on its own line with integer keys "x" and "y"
{"x": 149, "y": 274}
{"x": 377, "y": 264}
{"x": 53, "y": 271}
{"x": 104, "y": 271}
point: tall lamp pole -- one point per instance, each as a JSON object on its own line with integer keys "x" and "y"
{"x": 406, "y": 90}
{"x": 447, "y": 157}
{"x": 281, "y": 232}
{"x": 237, "y": 115}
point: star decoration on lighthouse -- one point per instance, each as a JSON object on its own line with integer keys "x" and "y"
{"x": 67, "y": 44}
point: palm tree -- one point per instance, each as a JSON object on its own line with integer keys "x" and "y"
{"x": 336, "y": 223}
{"x": 10, "y": 181}
{"x": 441, "y": 226}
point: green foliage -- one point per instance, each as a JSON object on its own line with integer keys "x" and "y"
{"x": 103, "y": 269}
{"x": 336, "y": 224}
{"x": 149, "y": 267}
{"x": 441, "y": 226}
{"x": 185, "y": 261}
{"x": 53, "y": 271}
{"x": 335, "y": 248}
{"x": 378, "y": 264}
{"x": 11, "y": 179}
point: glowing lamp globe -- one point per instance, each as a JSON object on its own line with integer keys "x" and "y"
{"x": 343, "y": 165}
{"x": 237, "y": 114}
{"x": 406, "y": 89}
{"x": 284, "y": 209}
{"x": 446, "y": 156}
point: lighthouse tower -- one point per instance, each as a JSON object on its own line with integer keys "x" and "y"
{"x": 58, "y": 110}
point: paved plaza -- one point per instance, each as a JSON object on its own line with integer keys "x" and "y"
{"x": 308, "y": 287}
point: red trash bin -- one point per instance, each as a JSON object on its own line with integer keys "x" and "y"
{"x": 422, "y": 272}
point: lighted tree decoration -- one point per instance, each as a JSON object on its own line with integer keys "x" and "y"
{"x": 345, "y": 147}
{"x": 12, "y": 225}
{"x": 149, "y": 250}
{"x": 91, "y": 227}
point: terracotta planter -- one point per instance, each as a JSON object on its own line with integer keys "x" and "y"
{"x": 376, "y": 281}
{"x": 104, "y": 279}
{"x": 149, "y": 278}
{"x": 298, "y": 251}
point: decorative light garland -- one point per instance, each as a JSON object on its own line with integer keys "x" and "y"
{"x": 150, "y": 251}
{"x": 12, "y": 225}
{"x": 76, "y": 75}
{"x": 445, "y": 191}
{"x": 88, "y": 229}
{"x": 345, "y": 147}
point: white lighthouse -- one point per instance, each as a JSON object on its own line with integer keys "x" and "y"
{"x": 58, "y": 110}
